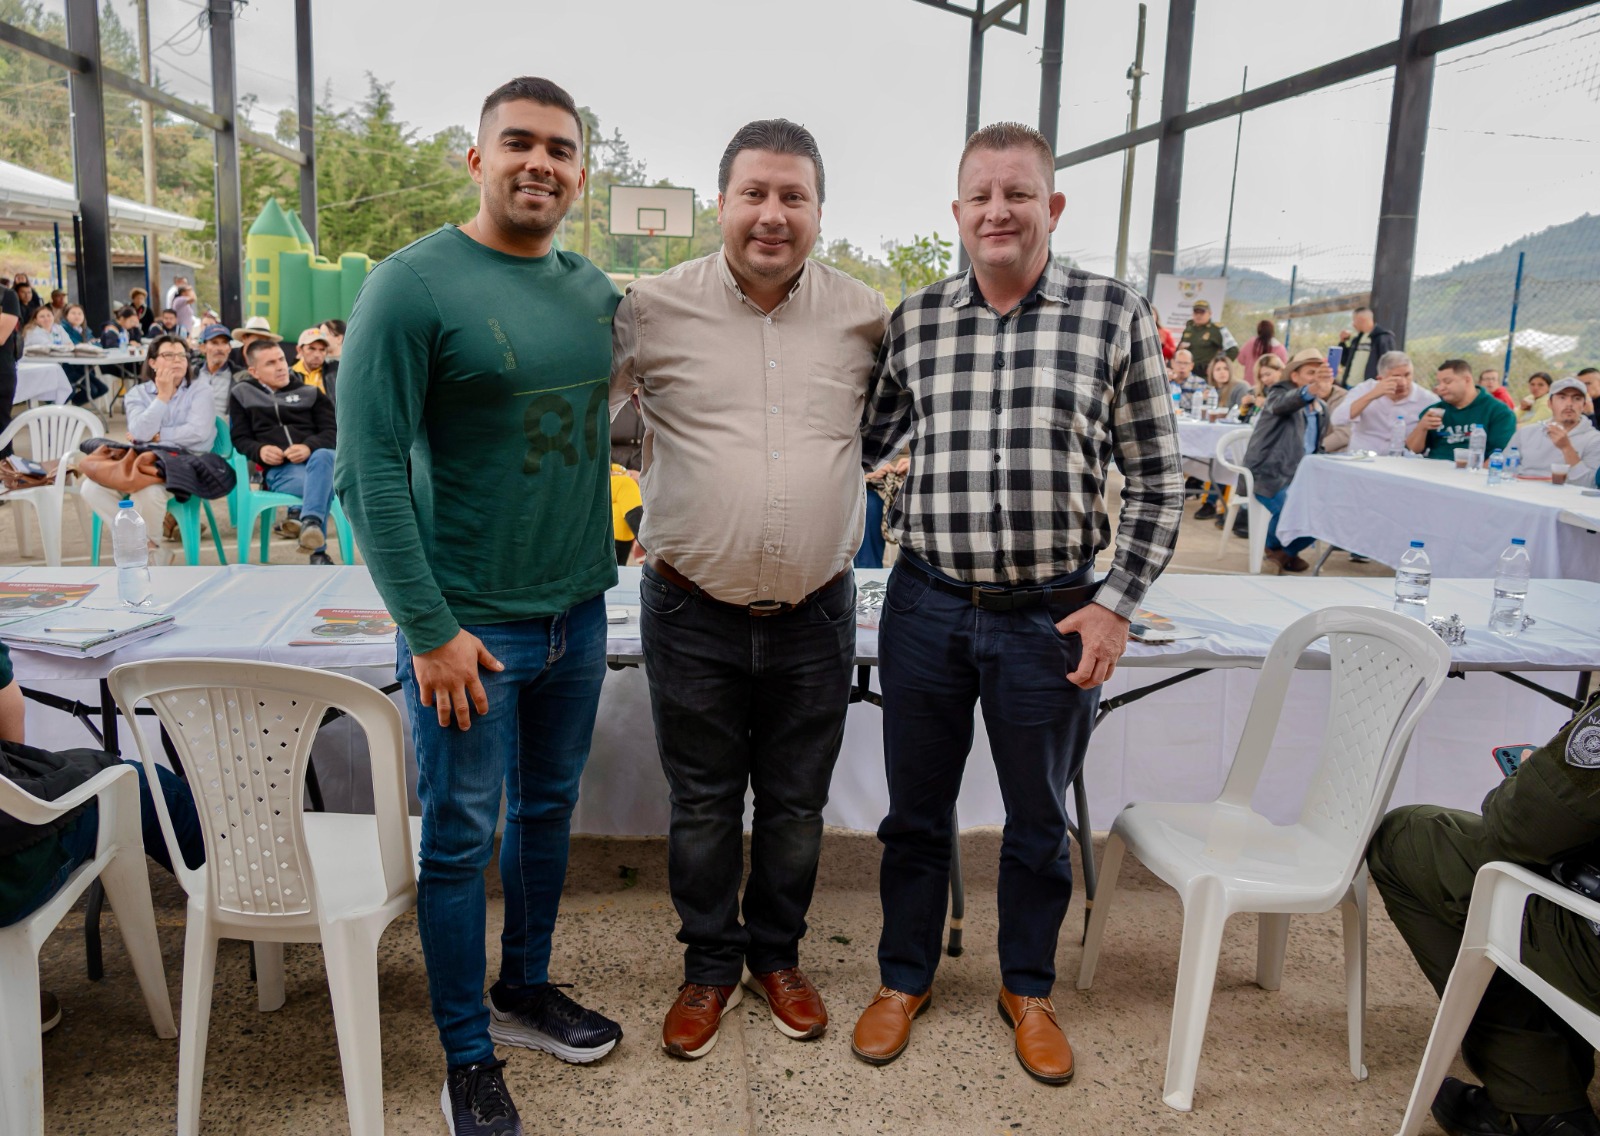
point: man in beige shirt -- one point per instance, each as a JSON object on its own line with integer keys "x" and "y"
{"x": 751, "y": 367}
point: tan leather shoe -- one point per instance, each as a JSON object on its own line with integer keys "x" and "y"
{"x": 884, "y": 1027}
{"x": 691, "y": 1026}
{"x": 797, "y": 1008}
{"x": 1041, "y": 1046}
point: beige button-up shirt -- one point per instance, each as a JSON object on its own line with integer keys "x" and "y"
{"x": 752, "y": 452}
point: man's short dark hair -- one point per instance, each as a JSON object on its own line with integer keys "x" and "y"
{"x": 170, "y": 312}
{"x": 1363, "y": 308}
{"x": 257, "y": 345}
{"x": 126, "y": 313}
{"x": 776, "y": 136}
{"x": 1460, "y": 366}
{"x": 531, "y": 88}
{"x": 1010, "y": 136}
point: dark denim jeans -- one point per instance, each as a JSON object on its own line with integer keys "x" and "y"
{"x": 742, "y": 701}
{"x": 938, "y": 657}
{"x": 1275, "y": 504}
{"x": 310, "y": 480}
{"x": 535, "y": 742}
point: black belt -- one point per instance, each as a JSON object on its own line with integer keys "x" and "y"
{"x": 764, "y": 607}
{"x": 991, "y": 598}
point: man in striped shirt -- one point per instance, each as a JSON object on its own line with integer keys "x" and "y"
{"x": 1017, "y": 384}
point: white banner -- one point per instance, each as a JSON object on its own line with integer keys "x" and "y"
{"x": 1174, "y": 297}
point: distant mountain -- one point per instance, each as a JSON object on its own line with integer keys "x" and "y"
{"x": 1569, "y": 251}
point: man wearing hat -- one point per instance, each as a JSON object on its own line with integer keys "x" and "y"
{"x": 314, "y": 366}
{"x": 216, "y": 345}
{"x": 1292, "y": 424}
{"x": 256, "y": 327}
{"x": 1567, "y": 437}
{"x": 1205, "y": 340}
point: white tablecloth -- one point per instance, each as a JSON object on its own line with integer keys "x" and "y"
{"x": 43, "y": 380}
{"x": 1377, "y": 507}
{"x": 1176, "y": 744}
{"x": 1197, "y": 443}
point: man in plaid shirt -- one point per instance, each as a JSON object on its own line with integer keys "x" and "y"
{"x": 1017, "y": 384}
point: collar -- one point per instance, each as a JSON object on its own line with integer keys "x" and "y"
{"x": 732, "y": 282}
{"x": 1052, "y": 285}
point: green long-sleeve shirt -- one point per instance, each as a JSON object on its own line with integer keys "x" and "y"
{"x": 490, "y": 373}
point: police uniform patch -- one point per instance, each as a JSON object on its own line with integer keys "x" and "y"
{"x": 1583, "y": 743}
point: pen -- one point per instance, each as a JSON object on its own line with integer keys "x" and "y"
{"x": 75, "y": 630}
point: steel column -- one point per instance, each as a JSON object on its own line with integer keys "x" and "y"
{"x": 224, "y": 101}
{"x": 1402, "y": 170}
{"x": 308, "y": 117}
{"x": 89, "y": 162}
{"x": 1055, "y": 24}
{"x": 1169, "y": 152}
{"x": 974, "y": 98}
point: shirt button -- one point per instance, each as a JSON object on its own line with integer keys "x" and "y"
{"x": 999, "y": 362}
{"x": 772, "y": 548}
{"x": 772, "y": 362}
{"x": 775, "y": 456}
{"x": 774, "y": 410}
{"x": 769, "y": 319}
{"x": 996, "y": 457}
{"x": 764, "y": 588}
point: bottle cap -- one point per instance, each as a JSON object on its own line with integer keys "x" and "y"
{"x": 1416, "y": 544}
{"x": 1518, "y": 540}
{"x": 125, "y": 503}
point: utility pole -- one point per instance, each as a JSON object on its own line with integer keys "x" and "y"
{"x": 588, "y": 177}
{"x": 1233, "y": 186}
{"x": 1136, "y": 73}
{"x": 147, "y": 130}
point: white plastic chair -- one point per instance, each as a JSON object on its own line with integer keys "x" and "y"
{"x": 275, "y": 873}
{"x": 53, "y": 433}
{"x": 1493, "y": 938}
{"x": 120, "y": 865}
{"x": 1230, "y": 455}
{"x": 1224, "y": 858}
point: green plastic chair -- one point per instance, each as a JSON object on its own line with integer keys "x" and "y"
{"x": 252, "y": 505}
{"x": 188, "y": 512}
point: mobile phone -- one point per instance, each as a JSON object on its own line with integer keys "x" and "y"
{"x": 1335, "y": 356}
{"x": 1510, "y": 757}
{"x": 1144, "y": 633}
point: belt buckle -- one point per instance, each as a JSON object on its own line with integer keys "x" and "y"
{"x": 979, "y": 591}
{"x": 764, "y": 607}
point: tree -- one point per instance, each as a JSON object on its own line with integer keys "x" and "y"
{"x": 920, "y": 263}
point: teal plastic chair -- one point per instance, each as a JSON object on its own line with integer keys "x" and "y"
{"x": 188, "y": 512}
{"x": 251, "y": 505}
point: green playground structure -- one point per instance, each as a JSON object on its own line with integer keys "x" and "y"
{"x": 285, "y": 279}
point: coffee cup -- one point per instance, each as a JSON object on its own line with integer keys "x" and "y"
{"x": 1558, "y": 473}
{"x": 1461, "y": 459}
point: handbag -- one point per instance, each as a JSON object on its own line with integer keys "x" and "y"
{"x": 13, "y": 478}
{"x": 121, "y": 468}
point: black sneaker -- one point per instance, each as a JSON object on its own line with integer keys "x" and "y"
{"x": 475, "y": 1101}
{"x": 320, "y": 556}
{"x": 545, "y": 1018}
{"x": 1206, "y": 511}
{"x": 1241, "y": 524}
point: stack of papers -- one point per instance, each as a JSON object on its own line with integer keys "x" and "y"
{"x": 48, "y": 617}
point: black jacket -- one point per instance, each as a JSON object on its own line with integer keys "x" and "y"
{"x": 48, "y": 776}
{"x": 295, "y": 414}
{"x": 1379, "y": 343}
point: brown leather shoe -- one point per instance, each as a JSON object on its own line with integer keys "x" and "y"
{"x": 1041, "y": 1046}
{"x": 1295, "y": 564}
{"x": 691, "y": 1026}
{"x": 884, "y": 1027}
{"x": 797, "y": 1008}
{"x": 1275, "y": 556}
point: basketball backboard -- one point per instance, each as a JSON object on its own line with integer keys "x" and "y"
{"x": 651, "y": 211}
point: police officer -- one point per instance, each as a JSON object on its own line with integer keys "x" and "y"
{"x": 1205, "y": 340}
{"x": 1535, "y": 1069}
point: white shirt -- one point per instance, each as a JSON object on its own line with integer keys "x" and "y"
{"x": 1539, "y": 452}
{"x": 1370, "y": 429}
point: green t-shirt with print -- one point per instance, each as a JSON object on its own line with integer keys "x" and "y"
{"x": 1496, "y": 418}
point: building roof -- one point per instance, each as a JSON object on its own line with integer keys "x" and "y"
{"x": 31, "y": 200}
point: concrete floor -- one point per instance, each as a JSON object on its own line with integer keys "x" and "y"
{"x": 1273, "y": 1062}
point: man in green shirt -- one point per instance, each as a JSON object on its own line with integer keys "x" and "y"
{"x": 482, "y": 354}
{"x": 1446, "y": 426}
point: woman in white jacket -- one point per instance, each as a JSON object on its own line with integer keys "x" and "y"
{"x": 170, "y": 407}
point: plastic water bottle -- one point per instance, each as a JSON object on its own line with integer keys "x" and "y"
{"x": 1513, "y": 461}
{"x": 1397, "y": 437}
{"x": 1177, "y": 404}
{"x": 1477, "y": 443}
{"x": 1412, "y": 580}
{"x": 1211, "y": 400}
{"x": 1510, "y": 589}
{"x": 122, "y": 339}
{"x": 131, "y": 547}
{"x": 1497, "y": 466}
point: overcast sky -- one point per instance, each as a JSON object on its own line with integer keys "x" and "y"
{"x": 882, "y": 83}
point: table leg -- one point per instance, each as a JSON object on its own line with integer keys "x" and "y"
{"x": 1328, "y": 550}
{"x": 91, "y": 931}
{"x": 958, "y": 889}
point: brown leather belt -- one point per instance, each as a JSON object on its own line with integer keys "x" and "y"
{"x": 768, "y": 607}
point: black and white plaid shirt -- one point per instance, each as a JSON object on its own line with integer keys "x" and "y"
{"x": 1013, "y": 420}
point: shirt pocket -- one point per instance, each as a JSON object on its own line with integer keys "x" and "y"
{"x": 835, "y": 397}
{"x": 1075, "y": 414}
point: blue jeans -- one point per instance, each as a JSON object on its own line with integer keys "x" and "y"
{"x": 870, "y": 554}
{"x": 745, "y": 702}
{"x": 310, "y": 480}
{"x": 938, "y": 657}
{"x": 534, "y": 741}
{"x": 1275, "y": 504}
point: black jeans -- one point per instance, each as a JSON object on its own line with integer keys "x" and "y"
{"x": 742, "y": 701}
{"x": 939, "y": 656}
{"x": 8, "y": 392}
